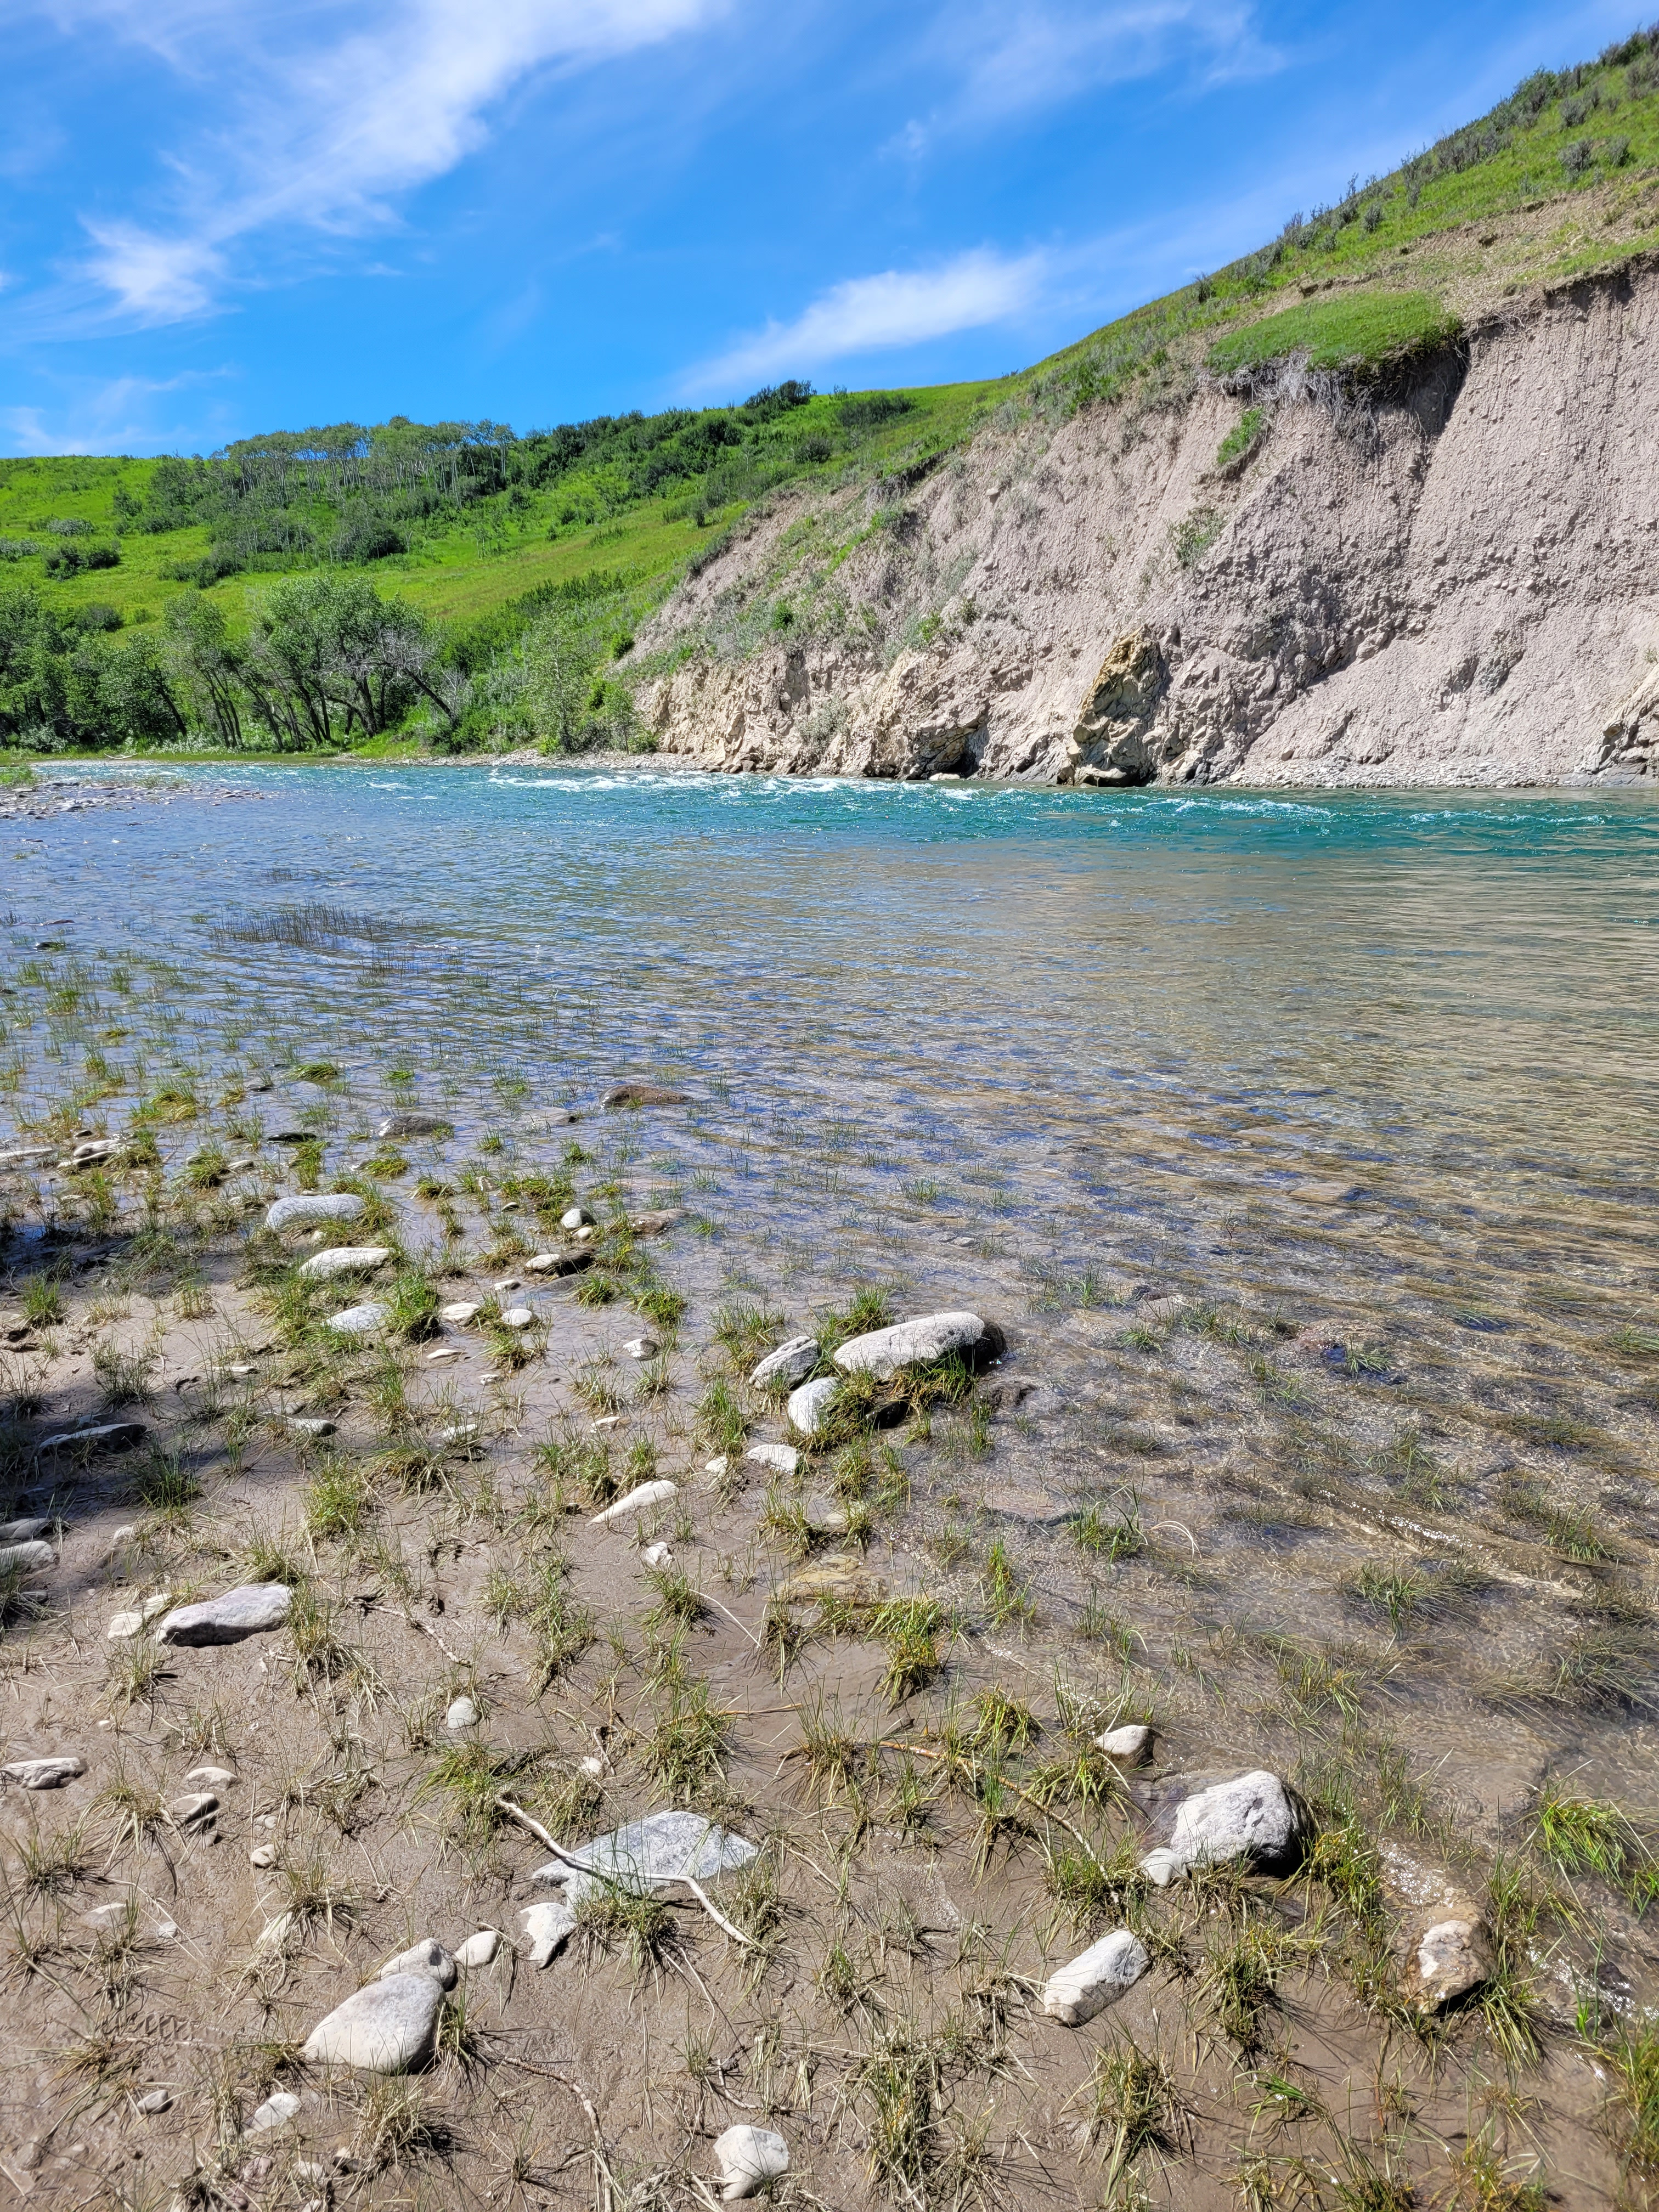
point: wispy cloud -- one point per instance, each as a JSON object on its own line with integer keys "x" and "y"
{"x": 324, "y": 131}
{"x": 872, "y": 314}
{"x": 1007, "y": 62}
{"x": 118, "y": 415}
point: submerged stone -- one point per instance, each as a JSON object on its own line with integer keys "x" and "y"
{"x": 790, "y": 1364}
{"x": 883, "y": 1351}
{"x": 314, "y": 1205}
{"x": 640, "y": 1500}
{"x": 1098, "y": 1976}
{"x": 647, "y": 1853}
{"x": 346, "y": 1259}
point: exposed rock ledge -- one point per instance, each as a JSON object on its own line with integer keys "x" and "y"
{"x": 1456, "y": 584}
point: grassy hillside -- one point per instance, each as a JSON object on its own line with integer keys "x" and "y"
{"x": 154, "y": 602}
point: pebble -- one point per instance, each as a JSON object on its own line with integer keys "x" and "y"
{"x": 883, "y": 1351}
{"x": 411, "y": 1125}
{"x": 557, "y": 1263}
{"x": 262, "y": 1854}
{"x": 274, "y": 1932}
{"x": 462, "y": 1714}
{"x": 653, "y": 1224}
{"x": 658, "y": 1555}
{"x": 156, "y": 2101}
{"x": 790, "y": 1364}
{"x": 463, "y": 1310}
{"x": 638, "y": 1500}
{"x": 748, "y": 2158}
{"x": 1128, "y": 1745}
{"x": 716, "y": 1467}
{"x": 249, "y": 1610}
{"x": 275, "y": 2112}
{"x": 518, "y": 1317}
{"x": 210, "y": 1777}
{"x": 1254, "y": 1818}
{"x": 782, "y": 1459}
{"x": 508, "y": 1283}
{"x": 330, "y": 1205}
{"x": 1099, "y": 1976}
{"x": 103, "y": 1437}
{"x": 24, "y": 1532}
{"x": 445, "y": 1356}
{"x": 1451, "y": 1954}
{"x": 428, "y": 1957}
{"x": 360, "y": 1321}
{"x": 478, "y": 1950}
{"x": 809, "y": 1407}
{"x": 577, "y": 1216}
{"x": 194, "y": 1811}
{"x": 546, "y": 1927}
{"x": 127, "y": 1624}
{"x": 390, "y": 2027}
{"x": 304, "y": 1424}
{"x": 45, "y": 1773}
{"x": 642, "y": 1347}
{"x": 239, "y": 1369}
{"x": 587, "y": 1234}
{"x": 459, "y": 1433}
{"x": 346, "y": 1259}
{"x": 26, "y": 1558}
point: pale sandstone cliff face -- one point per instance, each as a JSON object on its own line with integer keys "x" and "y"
{"x": 1456, "y": 584}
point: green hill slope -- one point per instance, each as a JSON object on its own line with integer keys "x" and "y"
{"x": 492, "y": 582}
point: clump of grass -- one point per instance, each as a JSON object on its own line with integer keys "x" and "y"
{"x": 469, "y": 1778}
{"x": 42, "y": 1302}
{"x": 1131, "y": 2104}
{"x": 1631, "y": 2057}
{"x": 1111, "y": 1536}
{"x": 164, "y": 1487}
{"x": 612, "y": 1917}
{"x": 911, "y": 1628}
{"x": 1002, "y": 1723}
{"x": 338, "y": 1499}
{"x": 1586, "y": 1835}
{"x": 681, "y": 1752}
{"x": 125, "y": 1378}
{"x": 49, "y": 1864}
{"x": 1240, "y": 1975}
{"x": 678, "y": 1602}
{"x": 413, "y": 1299}
{"x": 1007, "y": 1597}
{"x": 897, "y": 2085}
{"x": 721, "y": 1422}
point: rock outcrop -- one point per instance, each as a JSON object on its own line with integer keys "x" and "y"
{"x": 1450, "y": 579}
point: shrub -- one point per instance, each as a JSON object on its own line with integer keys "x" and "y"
{"x": 1245, "y": 434}
{"x": 1577, "y": 158}
{"x": 868, "y": 410}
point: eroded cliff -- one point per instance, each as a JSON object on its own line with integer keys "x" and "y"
{"x": 1451, "y": 578}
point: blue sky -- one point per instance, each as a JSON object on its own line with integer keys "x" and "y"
{"x": 222, "y": 216}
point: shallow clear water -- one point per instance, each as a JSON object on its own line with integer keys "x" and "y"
{"x": 1371, "y": 1073}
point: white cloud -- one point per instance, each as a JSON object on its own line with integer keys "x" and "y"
{"x": 872, "y": 314}
{"x": 330, "y": 113}
{"x": 115, "y": 416}
{"x": 1012, "y": 61}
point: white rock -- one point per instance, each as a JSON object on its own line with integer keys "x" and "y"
{"x": 412, "y": 1124}
{"x": 459, "y": 1433}
{"x": 462, "y": 1714}
{"x": 518, "y": 1317}
{"x": 275, "y": 2112}
{"x": 239, "y": 1369}
{"x": 809, "y": 1407}
{"x": 1128, "y": 1745}
{"x": 210, "y": 1777}
{"x": 360, "y": 1321}
{"x": 782, "y": 1459}
{"x": 716, "y": 1467}
{"x": 642, "y": 1347}
{"x": 45, "y": 1773}
{"x": 1252, "y": 1818}
{"x": 249, "y": 1611}
{"x": 638, "y": 1500}
{"x": 194, "y": 1811}
{"x": 658, "y": 1555}
{"x": 443, "y": 1357}
{"x": 508, "y": 1283}
{"x": 546, "y": 1927}
{"x": 1099, "y": 1976}
{"x": 478, "y": 1950}
{"x": 791, "y": 1363}
{"x": 574, "y": 1217}
{"x": 748, "y": 2158}
{"x": 263, "y": 1856}
{"x": 429, "y": 1956}
{"x": 332, "y": 1205}
{"x": 306, "y": 1424}
{"x": 883, "y": 1351}
{"x": 26, "y": 1558}
{"x": 586, "y": 1235}
{"x": 124, "y": 1625}
{"x": 102, "y": 1437}
{"x": 463, "y": 1310}
{"x": 346, "y": 1259}
{"x": 592, "y": 1766}
{"x": 156, "y": 2101}
{"x": 390, "y": 2027}
{"x": 274, "y": 1934}
{"x": 24, "y": 1532}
